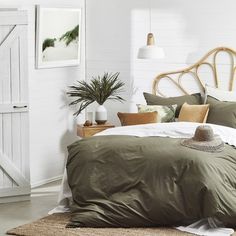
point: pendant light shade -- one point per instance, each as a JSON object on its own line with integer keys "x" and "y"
{"x": 151, "y": 51}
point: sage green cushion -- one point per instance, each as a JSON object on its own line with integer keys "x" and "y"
{"x": 194, "y": 99}
{"x": 221, "y": 113}
{"x": 165, "y": 113}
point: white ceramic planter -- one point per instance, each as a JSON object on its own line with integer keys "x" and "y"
{"x": 101, "y": 115}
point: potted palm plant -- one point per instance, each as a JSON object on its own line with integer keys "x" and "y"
{"x": 99, "y": 89}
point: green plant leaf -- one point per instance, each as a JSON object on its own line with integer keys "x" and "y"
{"x": 48, "y": 43}
{"x": 99, "y": 89}
{"x": 70, "y": 35}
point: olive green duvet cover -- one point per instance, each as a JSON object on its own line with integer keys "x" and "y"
{"x": 129, "y": 181}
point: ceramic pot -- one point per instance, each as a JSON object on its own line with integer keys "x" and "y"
{"x": 101, "y": 115}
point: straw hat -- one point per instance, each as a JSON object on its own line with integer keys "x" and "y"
{"x": 204, "y": 140}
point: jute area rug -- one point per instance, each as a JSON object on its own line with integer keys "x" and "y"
{"x": 54, "y": 225}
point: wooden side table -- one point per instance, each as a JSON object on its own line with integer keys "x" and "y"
{"x": 88, "y": 131}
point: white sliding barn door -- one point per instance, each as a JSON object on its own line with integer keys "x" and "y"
{"x": 14, "y": 123}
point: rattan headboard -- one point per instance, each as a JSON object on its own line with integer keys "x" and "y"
{"x": 194, "y": 71}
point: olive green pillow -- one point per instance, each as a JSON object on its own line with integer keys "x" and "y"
{"x": 221, "y": 113}
{"x": 194, "y": 99}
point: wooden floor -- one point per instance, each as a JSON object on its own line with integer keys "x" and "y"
{"x": 43, "y": 199}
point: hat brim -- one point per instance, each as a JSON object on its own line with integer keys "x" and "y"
{"x": 216, "y": 145}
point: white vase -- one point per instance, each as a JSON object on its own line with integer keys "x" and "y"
{"x": 101, "y": 115}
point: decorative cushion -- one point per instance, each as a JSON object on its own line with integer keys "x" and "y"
{"x": 194, "y": 113}
{"x": 221, "y": 113}
{"x": 165, "y": 113}
{"x": 194, "y": 99}
{"x": 221, "y": 95}
{"x": 137, "y": 118}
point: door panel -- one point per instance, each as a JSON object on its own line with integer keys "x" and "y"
{"x": 14, "y": 122}
{"x": 6, "y": 99}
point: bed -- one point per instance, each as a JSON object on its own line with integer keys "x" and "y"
{"x": 140, "y": 176}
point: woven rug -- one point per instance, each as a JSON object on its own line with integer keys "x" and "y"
{"x": 54, "y": 225}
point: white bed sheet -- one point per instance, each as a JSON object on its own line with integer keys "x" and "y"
{"x": 205, "y": 227}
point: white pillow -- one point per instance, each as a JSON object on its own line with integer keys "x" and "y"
{"x": 221, "y": 95}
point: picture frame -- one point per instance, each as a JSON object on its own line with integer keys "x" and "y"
{"x": 58, "y": 37}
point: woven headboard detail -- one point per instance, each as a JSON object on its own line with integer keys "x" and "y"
{"x": 194, "y": 71}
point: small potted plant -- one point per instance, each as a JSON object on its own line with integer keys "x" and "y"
{"x": 99, "y": 89}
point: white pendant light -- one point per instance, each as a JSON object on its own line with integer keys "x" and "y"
{"x": 150, "y": 51}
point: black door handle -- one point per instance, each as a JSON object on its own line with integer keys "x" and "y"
{"x": 19, "y": 107}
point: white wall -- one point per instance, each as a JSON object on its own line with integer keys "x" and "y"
{"x": 185, "y": 29}
{"x": 52, "y": 125}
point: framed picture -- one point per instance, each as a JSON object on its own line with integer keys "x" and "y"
{"x": 58, "y": 37}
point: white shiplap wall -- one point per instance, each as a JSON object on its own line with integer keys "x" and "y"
{"x": 185, "y": 29}
{"x": 52, "y": 125}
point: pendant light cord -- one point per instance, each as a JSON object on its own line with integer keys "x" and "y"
{"x": 85, "y": 51}
{"x": 85, "y": 42}
{"x": 150, "y": 17}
